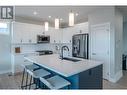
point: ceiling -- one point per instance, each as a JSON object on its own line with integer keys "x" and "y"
{"x": 43, "y": 12}
{"x": 123, "y": 9}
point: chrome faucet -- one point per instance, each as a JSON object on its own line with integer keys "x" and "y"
{"x": 62, "y": 48}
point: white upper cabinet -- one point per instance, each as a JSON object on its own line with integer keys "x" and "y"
{"x": 81, "y": 28}
{"x": 58, "y": 35}
{"x": 17, "y": 32}
{"x": 35, "y": 30}
{"x": 55, "y": 35}
{"x": 77, "y": 29}
{"x": 25, "y": 33}
{"x": 67, "y": 35}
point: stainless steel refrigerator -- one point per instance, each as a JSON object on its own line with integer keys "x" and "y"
{"x": 80, "y": 45}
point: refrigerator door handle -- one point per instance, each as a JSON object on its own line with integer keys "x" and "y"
{"x": 79, "y": 47}
{"x": 86, "y": 47}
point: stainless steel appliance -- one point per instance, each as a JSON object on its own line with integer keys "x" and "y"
{"x": 43, "y": 39}
{"x": 44, "y": 52}
{"x": 80, "y": 45}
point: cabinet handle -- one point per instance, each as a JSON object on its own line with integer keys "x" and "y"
{"x": 29, "y": 41}
{"x": 80, "y": 31}
{"x": 21, "y": 41}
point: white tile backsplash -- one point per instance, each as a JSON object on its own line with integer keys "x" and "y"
{"x": 56, "y": 48}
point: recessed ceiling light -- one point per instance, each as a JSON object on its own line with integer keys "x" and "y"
{"x": 76, "y": 14}
{"x": 61, "y": 19}
{"x": 35, "y": 13}
{"x": 49, "y": 16}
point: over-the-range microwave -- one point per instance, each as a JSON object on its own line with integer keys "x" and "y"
{"x": 43, "y": 39}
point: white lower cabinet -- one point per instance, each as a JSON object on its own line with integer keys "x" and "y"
{"x": 19, "y": 61}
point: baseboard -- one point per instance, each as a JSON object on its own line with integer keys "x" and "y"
{"x": 4, "y": 72}
{"x": 117, "y": 77}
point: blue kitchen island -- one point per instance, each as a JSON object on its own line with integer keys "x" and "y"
{"x": 83, "y": 74}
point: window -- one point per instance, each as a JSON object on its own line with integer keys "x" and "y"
{"x": 4, "y": 28}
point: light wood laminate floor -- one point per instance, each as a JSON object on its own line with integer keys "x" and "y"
{"x": 8, "y": 81}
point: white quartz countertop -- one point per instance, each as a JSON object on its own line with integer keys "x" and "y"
{"x": 26, "y": 53}
{"x": 63, "y": 67}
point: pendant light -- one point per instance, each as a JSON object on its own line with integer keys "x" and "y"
{"x": 71, "y": 19}
{"x": 57, "y": 23}
{"x": 46, "y": 26}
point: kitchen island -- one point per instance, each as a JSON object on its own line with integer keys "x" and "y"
{"x": 83, "y": 74}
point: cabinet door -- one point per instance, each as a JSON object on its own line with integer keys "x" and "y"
{"x": 55, "y": 35}
{"x": 67, "y": 35}
{"x": 25, "y": 37}
{"x": 32, "y": 37}
{"x": 52, "y": 34}
{"x": 26, "y": 33}
{"x": 58, "y": 36}
{"x": 17, "y": 30}
{"x": 80, "y": 28}
{"x": 18, "y": 61}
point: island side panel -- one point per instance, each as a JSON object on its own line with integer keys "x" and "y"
{"x": 74, "y": 81}
{"x": 92, "y": 78}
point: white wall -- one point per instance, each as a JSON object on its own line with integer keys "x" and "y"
{"x": 118, "y": 41}
{"x": 5, "y": 52}
{"x": 110, "y": 15}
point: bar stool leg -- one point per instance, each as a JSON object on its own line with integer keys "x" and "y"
{"x": 22, "y": 79}
{"x": 26, "y": 80}
{"x": 39, "y": 84}
{"x": 36, "y": 81}
{"x": 30, "y": 82}
{"x": 69, "y": 86}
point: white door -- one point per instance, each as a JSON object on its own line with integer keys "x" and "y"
{"x": 100, "y": 46}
